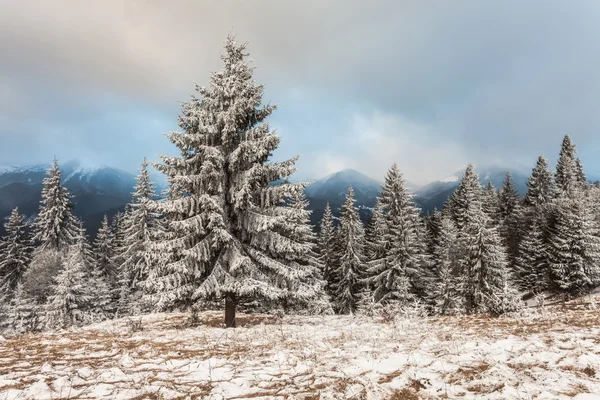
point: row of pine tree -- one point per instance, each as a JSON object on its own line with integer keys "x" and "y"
{"x": 224, "y": 231}
{"x": 483, "y": 252}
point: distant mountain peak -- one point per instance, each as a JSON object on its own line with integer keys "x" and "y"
{"x": 344, "y": 173}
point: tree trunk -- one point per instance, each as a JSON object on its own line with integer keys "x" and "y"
{"x": 230, "y": 304}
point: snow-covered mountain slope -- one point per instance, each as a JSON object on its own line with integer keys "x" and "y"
{"x": 334, "y": 186}
{"x": 543, "y": 354}
{"x": 435, "y": 194}
{"x": 332, "y": 189}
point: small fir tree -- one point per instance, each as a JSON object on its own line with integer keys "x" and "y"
{"x": 350, "y": 257}
{"x": 55, "y": 227}
{"x": 15, "y": 252}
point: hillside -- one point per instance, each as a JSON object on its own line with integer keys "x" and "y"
{"x": 548, "y": 353}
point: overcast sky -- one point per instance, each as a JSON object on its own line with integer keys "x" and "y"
{"x": 431, "y": 85}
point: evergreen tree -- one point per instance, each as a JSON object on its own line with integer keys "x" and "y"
{"x": 118, "y": 227}
{"x": 104, "y": 252}
{"x": 533, "y": 262}
{"x": 70, "y": 296}
{"x": 350, "y": 257}
{"x": 375, "y": 232}
{"x": 22, "y": 313}
{"x": 326, "y": 248}
{"x": 449, "y": 209}
{"x": 465, "y": 198}
{"x": 101, "y": 303}
{"x": 579, "y": 173}
{"x": 85, "y": 247}
{"x": 508, "y": 198}
{"x": 308, "y": 293}
{"x": 491, "y": 203}
{"x": 55, "y": 227}
{"x": 395, "y": 277}
{"x": 228, "y": 221}
{"x": 511, "y": 219}
{"x": 159, "y": 292}
{"x": 483, "y": 262}
{"x": 532, "y": 270}
{"x": 433, "y": 224}
{"x": 137, "y": 235}
{"x": 566, "y": 169}
{"x": 445, "y": 294}
{"x": 573, "y": 243}
{"x": 15, "y": 252}
{"x": 574, "y": 250}
{"x": 505, "y": 297}
{"x": 540, "y": 186}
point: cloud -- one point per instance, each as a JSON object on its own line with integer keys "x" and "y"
{"x": 472, "y": 80}
{"x": 380, "y": 139}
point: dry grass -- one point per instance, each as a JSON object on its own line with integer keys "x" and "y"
{"x": 404, "y": 394}
{"x": 299, "y": 358}
{"x": 467, "y": 374}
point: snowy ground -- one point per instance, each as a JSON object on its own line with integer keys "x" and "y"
{"x": 553, "y": 354}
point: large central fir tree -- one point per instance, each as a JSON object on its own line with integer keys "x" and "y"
{"x": 230, "y": 233}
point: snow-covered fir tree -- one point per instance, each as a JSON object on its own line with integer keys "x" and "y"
{"x": 158, "y": 291}
{"x": 326, "y": 248}
{"x": 533, "y": 261}
{"x": 350, "y": 265}
{"x": 505, "y": 297}
{"x": 308, "y": 293}
{"x": 70, "y": 295}
{"x": 573, "y": 243}
{"x": 491, "y": 203}
{"x": 395, "y": 276}
{"x": 137, "y": 235}
{"x": 118, "y": 226}
{"x": 508, "y": 198}
{"x": 375, "y": 232}
{"x": 134, "y": 251}
{"x": 104, "y": 252}
{"x": 532, "y": 264}
{"x": 444, "y": 293}
{"x": 465, "y": 199}
{"x": 228, "y": 223}
{"x": 483, "y": 266}
{"x": 540, "y": 185}
{"x": 579, "y": 173}
{"x": 510, "y": 219}
{"x": 83, "y": 244}
{"x": 566, "y": 169}
{"x": 101, "y": 305}
{"x": 433, "y": 224}
{"x": 15, "y": 252}
{"x": 574, "y": 249}
{"x": 22, "y": 312}
{"x": 55, "y": 227}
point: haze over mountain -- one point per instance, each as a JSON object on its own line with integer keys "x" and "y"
{"x": 96, "y": 190}
{"x": 433, "y": 195}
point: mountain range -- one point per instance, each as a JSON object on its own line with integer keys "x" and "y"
{"x": 106, "y": 190}
{"x": 96, "y": 191}
{"x": 435, "y": 194}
